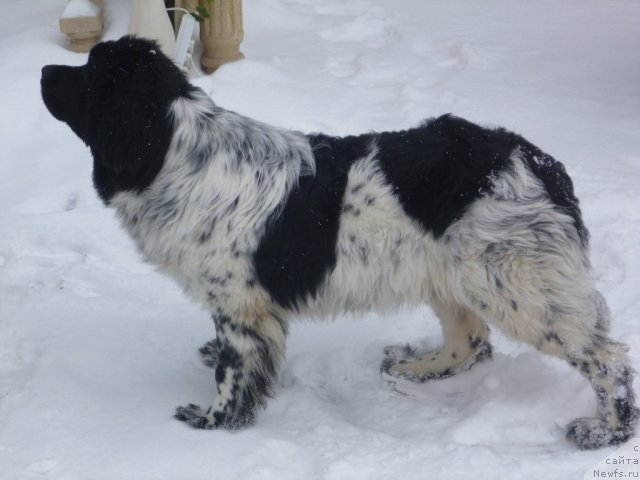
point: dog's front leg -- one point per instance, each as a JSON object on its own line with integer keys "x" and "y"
{"x": 249, "y": 352}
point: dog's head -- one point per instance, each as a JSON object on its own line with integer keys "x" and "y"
{"x": 118, "y": 104}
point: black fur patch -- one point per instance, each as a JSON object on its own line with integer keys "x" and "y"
{"x": 298, "y": 249}
{"x": 118, "y": 104}
{"x": 441, "y": 167}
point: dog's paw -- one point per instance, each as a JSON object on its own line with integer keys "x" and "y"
{"x": 403, "y": 362}
{"x": 396, "y": 356}
{"x": 411, "y": 370}
{"x": 196, "y": 417}
{"x": 209, "y": 353}
{"x": 590, "y": 433}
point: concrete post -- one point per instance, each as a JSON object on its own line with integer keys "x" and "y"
{"x": 149, "y": 19}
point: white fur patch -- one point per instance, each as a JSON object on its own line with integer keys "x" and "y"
{"x": 202, "y": 217}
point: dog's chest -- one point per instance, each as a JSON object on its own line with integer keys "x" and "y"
{"x": 204, "y": 248}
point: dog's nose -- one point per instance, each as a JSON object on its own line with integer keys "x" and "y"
{"x": 48, "y": 74}
{"x": 47, "y": 71}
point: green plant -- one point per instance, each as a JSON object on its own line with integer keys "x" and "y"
{"x": 201, "y": 13}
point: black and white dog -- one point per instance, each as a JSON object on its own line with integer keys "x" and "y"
{"x": 262, "y": 225}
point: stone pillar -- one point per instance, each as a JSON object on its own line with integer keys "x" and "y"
{"x": 221, "y": 33}
{"x": 82, "y": 22}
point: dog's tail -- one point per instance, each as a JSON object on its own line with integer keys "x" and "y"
{"x": 557, "y": 182}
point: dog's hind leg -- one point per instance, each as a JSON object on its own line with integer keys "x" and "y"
{"x": 466, "y": 342}
{"x": 248, "y": 351}
{"x": 604, "y": 363}
{"x": 580, "y": 338}
{"x": 542, "y": 294}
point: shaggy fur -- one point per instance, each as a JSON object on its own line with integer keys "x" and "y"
{"x": 261, "y": 225}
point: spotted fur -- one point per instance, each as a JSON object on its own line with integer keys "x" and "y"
{"x": 262, "y": 225}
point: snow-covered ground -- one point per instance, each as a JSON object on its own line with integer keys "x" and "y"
{"x": 96, "y": 349}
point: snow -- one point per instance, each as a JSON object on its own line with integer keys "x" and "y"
{"x": 97, "y": 349}
{"x": 80, "y": 8}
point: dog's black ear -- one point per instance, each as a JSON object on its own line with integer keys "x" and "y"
{"x": 129, "y": 142}
{"x": 129, "y": 127}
